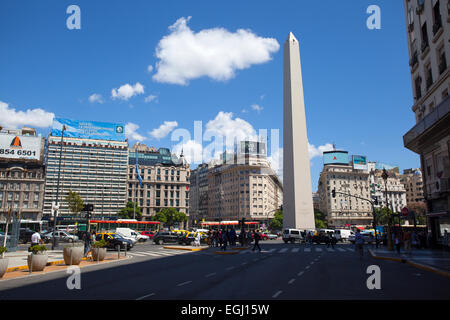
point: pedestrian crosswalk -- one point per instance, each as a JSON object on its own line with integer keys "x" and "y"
{"x": 304, "y": 249}
{"x": 158, "y": 253}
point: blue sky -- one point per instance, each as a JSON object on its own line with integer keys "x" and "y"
{"x": 356, "y": 81}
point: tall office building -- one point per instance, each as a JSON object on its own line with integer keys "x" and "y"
{"x": 198, "y": 201}
{"x": 94, "y": 159}
{"x": 339, "y": 174}
{"x": 413, "y": 182}
{"x": 244, "y": 186}
{"x": 165, "y": 180}
{"x": 393, "y": 188}
{"x": 428, "y": 34}
{"x": 22, "y": 173}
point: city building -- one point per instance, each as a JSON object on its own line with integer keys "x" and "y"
{"x": 428, "y": 35}
{"x": 316, "y": 200}
{"x": 22, "y": 173}
{"x": 413, "y": 182}
{"x": 198, "y": 201}
{"x": 393, "y": 189}
{"x": 89, "y": 158}
{"x": 245, "y": 186}
{"x": 165, "y": 180}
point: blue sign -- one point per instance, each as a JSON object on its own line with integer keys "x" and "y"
{"x": 88, "y": 129}
{"x": 360, "y": 162}
{"x": 335, "y": 157}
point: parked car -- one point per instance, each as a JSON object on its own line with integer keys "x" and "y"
{"x": 292, "y": 235}
{"x": 365, "y": 235}
{"x": 114, "y": 241}
{"x": 166, "y": 237}
{"x": 271, "y": 236}
{"x": 61, "y": 235}
{"x": 320, "y": 237}
{"x": 132, "y": 235}
{"x": 25, "y": 235}
{"x": 149, "y": 234}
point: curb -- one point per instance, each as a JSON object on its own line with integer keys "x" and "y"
{"x": 414, "y": 264}
{"x": 188, "y": 249}
{"x": 240, "y": 248}
{"x": 227, "y": 252}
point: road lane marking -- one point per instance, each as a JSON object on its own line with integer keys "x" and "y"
{"x": 244, "y": 263}
{"x": 184, "y": 283}
{"x": 307, "y": 249}
{"x": 307, "y": 267}
{"x": 291, "y": 281}
{"x": 300, "y": 273}
{"x": 137, "y": 254}
{"x": 283, "y": 250}
{"x": 330, "y": 250}
{"x": 341, "y": 250}
{"x": 312, "y": 262}
{"x": 210, "y": 275}
{"x": 319, "y": 249}
{"x": 229, "y": 268}
{"x": 146, "y": 296}
{"x": 277, "y": 294}
{"x": 349, "y": 249}
{"x": 295, "y": 249}
{"x": 272, "y": 250}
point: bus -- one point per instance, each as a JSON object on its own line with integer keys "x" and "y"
{"x": 214, "y": 225}
{"x": 35, "y": 225}
{"x": 110, "y": 225}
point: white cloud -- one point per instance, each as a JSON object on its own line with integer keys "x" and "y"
{"x": 150, "y": 68}
{"x": 12, "y": 119}
{"x": 262, "y": 96}
{"x": 163, "y": 129}
{"x": 127, "y": 91}
{"x": 318, "y": 152}
{"x": 229, "y": 130}
{"x": 131, "y": 132}
{"x": 151, "y": 98}
{"x": 96, "y": 98}
{"x": 216, "y": 53}
{"x": 244, "y": 110}
{"x": 191, "y": 151}
{"x": 257, "y": 107}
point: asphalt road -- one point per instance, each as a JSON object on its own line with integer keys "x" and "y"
{"x": 281, "y": 271}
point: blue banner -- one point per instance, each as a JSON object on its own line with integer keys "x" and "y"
{"x": 88, "y": 129}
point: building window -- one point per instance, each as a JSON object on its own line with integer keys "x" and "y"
{"x": 428, "y": 76}
{"x": 417, "y": 83}
{"x": 437, "y": 18}
{"x": 424, "y": 37}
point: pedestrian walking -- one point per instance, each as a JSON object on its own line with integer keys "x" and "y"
{"x": 407, "y": 242}
{"x": 224, "y": 240}
{"x": 397, "y": 242}
{"x": 359, "y": 243}
{"x": 256, "y": 238}
{"x": 220, "y": 237}
{"x": 197, "y": 240}
{"x": 87, "y": 242}
{"x": 249, "y": 237}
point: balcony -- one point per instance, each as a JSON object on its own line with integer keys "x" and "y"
{"x": 437, "y": 26}
{"x": 438, "y": 118}
{"x": 424, "y": 46}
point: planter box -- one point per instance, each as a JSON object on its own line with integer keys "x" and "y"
{"x": 98, "y": 254}
{"x": 3, "y": 266}
{"x": 39, "y": 261}
{"x": 77, "y": 255}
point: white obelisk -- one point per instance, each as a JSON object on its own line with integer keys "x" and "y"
{"x": 298, "y": 211}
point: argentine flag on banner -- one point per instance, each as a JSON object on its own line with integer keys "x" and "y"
{"x": 137, "y": 171}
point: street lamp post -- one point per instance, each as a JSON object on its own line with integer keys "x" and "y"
{"x": 57, "y": 189}
{"x": 385, "y": 176}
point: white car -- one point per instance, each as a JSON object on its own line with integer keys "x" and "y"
{"x": 62, "y": 235}
{"x": 139, "y": 237}
{"x": 292, "y": 235}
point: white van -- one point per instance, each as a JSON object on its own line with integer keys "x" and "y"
{"x": 343, "y": 234}
{"x": 126, "y": 233}
{"x": 292, "y": 235}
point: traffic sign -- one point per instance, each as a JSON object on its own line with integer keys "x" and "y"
{"x": 405, "y": 212}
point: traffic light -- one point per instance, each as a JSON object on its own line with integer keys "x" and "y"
{"x": 376, "y": 200}
{"x": 333, "y": 193}
{"x": 88, "y": 207}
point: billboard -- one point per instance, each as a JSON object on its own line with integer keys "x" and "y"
{"x": 20, "y": 147}
{"x": 335, "y": 157}
{"x": 359, "y": 162}
{"x": 88, "y": 129}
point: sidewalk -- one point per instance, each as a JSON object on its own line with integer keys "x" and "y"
{"x": 437, "y": 261}
{"x": 19, "y": 258}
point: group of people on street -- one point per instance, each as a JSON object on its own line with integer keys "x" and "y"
{"x": 223, "y": 237}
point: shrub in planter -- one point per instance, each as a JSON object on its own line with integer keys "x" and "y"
{"x": 38, "y": 258}
{"x": 3, "y": 261}
{"x": 99, "y": 250}
{"x": 73, "y": 254}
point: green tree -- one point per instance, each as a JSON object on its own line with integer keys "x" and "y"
{"x": 128, "y": 212}
{"x": 420, "y": 210}
{"x": 169, "y": 217}
{"x": 277, "y": 222}
{"x": 320, "y": 220}
{"x": 75, "y": 202}
{"x": 382, "y": 215}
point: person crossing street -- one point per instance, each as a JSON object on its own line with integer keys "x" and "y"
{"x": 256, "y": 238}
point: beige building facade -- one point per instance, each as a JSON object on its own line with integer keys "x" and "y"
{"x": 343, "y": 210}
{"x": 428, "y": 34}
{"x": 165, "y": 180}
{"x": 413, "y": 182}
